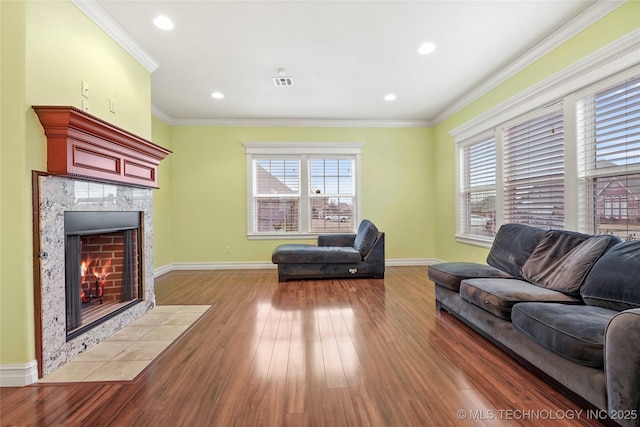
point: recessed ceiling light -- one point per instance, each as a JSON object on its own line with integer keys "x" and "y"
{"x": 163, "y": 23}
{"x": 390, "y": 97}
{"x": 217, "y": 95}
{"x": 426, "y": 48}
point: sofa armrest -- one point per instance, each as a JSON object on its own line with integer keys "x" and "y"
{"x": 622, "y": 367}
{"x": 336, "y": 240}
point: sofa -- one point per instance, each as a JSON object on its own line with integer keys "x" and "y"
{"x": 564, "y": 304}
{"x": 335, "y": 255}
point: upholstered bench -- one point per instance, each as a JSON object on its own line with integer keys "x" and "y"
{"x": 336, "y": 255}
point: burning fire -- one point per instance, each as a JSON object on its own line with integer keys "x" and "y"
{"x": 99, "y": 271}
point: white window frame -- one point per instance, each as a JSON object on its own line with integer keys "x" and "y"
{"x": 461, "y": 179}
{"x": 587, "y": 172}
{"x": 302, "y": 151}
{"x": 617, "y": 61}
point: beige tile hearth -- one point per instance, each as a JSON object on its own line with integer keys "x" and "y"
{"x": 125, "y": 354}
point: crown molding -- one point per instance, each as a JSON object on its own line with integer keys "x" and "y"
{"x": 614, "y": 58}
{"x": 102, "y": 19}
{"x": 292, "y": 122}
{"x": 597, "y": 11}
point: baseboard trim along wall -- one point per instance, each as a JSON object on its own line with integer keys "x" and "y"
{"x": 18, "y": 375}
{"x": 182, "y": 266}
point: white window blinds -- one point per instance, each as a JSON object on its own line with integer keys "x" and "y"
{"x": 478, "y": 208}
{"x": 609, "y": 141}
{"x": 534, "y": 172}
{"x": 276, "y": 190}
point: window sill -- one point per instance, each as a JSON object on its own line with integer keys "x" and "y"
{"x": 484, "y": 242}
{"x": 283, "y": 236}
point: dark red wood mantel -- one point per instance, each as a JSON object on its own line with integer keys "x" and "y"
{"x": 80, "y": 144}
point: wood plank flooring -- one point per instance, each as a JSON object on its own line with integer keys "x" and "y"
{"x": 359, "y": 352}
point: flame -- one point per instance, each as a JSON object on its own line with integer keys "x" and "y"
{"x": 101, "y": 272}
{"x": 84, "y": 266}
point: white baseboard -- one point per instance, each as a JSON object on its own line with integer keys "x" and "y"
{"x": 182, "y": 266}
{"x": 18, "y": 375}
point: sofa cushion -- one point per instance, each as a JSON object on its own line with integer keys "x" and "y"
{"x": 366, "y": 237}
{"x": 614, "y": 280}
{"x": 575, "y": 332}
{"x": 450, "y": 274}
{"x": 512, "y": 246}
{"x": 562, "y": 260}
{"x": 310, "y": 254}
{"x": 497, "y": 296}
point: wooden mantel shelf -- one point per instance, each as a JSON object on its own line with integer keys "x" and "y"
{"x": 80, "y": 144}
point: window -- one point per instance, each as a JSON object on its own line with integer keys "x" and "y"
{"x": 302, "y": 189}
{"x": 609, "y": 140}
{"x": 534, "y": 172}
{"x": 478, "y": 205}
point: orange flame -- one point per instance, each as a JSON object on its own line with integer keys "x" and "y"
{"x": 101, "y": 272}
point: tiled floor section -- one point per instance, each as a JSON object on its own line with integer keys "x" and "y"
{"x": 123, "y": 355}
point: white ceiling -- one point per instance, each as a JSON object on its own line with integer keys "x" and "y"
{"x": 343, "y": 56}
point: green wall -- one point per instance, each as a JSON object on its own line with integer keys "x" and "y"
{"x": 620, "y": 22}
{"x": 209, "y": 188}
{"x": 48, "y": 48}
{"x": 162, "y": 203}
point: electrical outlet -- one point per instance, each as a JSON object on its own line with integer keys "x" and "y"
{"x": 228, "y": 250}
{"x": 112, "y": 105}
{"x": 85, "y": 105}
{"x": 85, "y": 89}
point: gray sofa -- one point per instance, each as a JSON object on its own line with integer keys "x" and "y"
{"x": 564, "y": 304}
{"x": 336, "y": 255}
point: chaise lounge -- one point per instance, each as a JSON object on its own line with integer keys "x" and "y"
{"x": 336, "y": 255}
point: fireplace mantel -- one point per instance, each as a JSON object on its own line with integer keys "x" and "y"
{"x": 79, "y": 144}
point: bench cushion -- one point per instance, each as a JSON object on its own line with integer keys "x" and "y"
{"x": 450, "y": 274}
{"x": 575, "y": 332}
{"x": 311, "y": 254}
{"x": 498, "y": 296}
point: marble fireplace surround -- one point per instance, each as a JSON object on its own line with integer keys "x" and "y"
{"x": 55, "y": 195}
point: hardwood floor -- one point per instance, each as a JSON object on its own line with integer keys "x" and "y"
{"x": 308, "y": 353}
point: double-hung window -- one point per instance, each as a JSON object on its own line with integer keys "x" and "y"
{"x": 609, "y": 143}
{"x": 477, "y": 213}
{"x": 534, "y": 171}
{"x": 302, "y": 189}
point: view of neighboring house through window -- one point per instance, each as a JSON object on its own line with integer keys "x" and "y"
{"x": 331, "y": 194}
{"x": 295, "y": 190}
{"x": 609, "y": 138}
{"x": 277, "y": 194}
{"x": 534, "y": 172}
{"x": 478, "y": 205}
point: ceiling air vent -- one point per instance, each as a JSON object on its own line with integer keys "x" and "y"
{"x": 283, "y": 81}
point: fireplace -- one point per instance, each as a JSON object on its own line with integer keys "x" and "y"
{"x": 102, "y": 267}
{"x": 93, "y": 233}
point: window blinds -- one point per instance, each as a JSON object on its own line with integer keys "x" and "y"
{"x": 609, "y": 140}
{"x": 534, "y": 172}
{"x": 478, "y": 211}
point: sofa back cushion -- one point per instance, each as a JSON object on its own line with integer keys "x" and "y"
{"x": 562, "y": 260}
{"x": 614, "y": 280}
{"x": 366, "y": 237}
{"x": 512, "y": 246}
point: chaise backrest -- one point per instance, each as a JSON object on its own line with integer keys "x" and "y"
{"x": 366, "y": 237}
{"x": 614, "y": 280}
{"x": 512, "y": 246}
